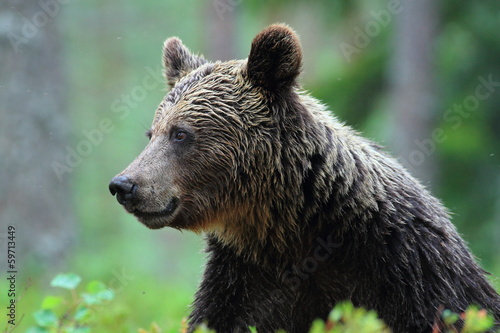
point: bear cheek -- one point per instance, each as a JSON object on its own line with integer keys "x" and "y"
{"x": 146, "y": 187}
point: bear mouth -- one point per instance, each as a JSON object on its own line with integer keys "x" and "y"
{"x": 169, "y": 209}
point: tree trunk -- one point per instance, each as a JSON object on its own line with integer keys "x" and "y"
{"x": 221, "y": 29}
{"x": 34, "y": 131}
{"x": 412, "y": 88}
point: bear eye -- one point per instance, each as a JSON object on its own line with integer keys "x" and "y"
{"x": 180, "y": 136}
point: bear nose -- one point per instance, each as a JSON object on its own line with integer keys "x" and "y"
{"x": 123, "y": 187}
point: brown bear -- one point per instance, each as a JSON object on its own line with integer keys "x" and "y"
{"x": 299, "y": 211}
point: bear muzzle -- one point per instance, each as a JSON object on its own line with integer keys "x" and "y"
{"x": 124, "y": 189}
{"x": 127, "y": 193}
{"x": 167, "y": 211}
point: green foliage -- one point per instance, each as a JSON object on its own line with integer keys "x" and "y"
{"x": 73, "y": 313}
{"x": 77, "y": 312}
{"x": 345, "y": 318}
{"x": 475, "y": 320}
{"x": 66, "y": 281}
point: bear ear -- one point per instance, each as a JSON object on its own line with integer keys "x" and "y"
{"x": 178, "y": 60}
{"x": 275, "y": 58}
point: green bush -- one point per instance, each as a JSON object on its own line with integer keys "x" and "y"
{"x": 80, "y": 310}
{"x": 76, "y": 311}
{"x": 345, "y": 318}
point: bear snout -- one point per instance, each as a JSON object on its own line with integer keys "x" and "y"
{"x": 124, "y": 189}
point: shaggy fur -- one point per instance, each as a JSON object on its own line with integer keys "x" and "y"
{"x": 299, "y": 211}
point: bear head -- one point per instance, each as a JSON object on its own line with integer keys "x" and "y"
{"x": 219, "y": 140}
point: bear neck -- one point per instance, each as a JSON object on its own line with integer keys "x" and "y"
{"x": 312, "y": 188}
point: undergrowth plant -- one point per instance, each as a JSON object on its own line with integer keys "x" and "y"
{"x": 345, "y": 318}
{"x": 75, "y": 312}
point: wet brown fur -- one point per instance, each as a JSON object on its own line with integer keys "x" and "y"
{"x": 267, "y": 171}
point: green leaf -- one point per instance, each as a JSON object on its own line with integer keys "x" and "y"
{"x": 51, "y": 302}
{"x": 95, "y": 286}
{"x": 336, "y": 314}
{"x": 477, "y": 320}
{"x": 252, "y": 329}
{"x": 66, "y": 281}
{"x": 45, "y": 318}
{"x": 90, "y": 299}
{"x": 318, "y": 326}
{"x": 449, "y": 317}
{"x": 98, "y": 298}
{"x": 105, "y": 295}
{"x": 82, "y": 314}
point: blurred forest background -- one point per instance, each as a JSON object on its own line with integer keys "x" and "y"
{"x": 80, "y": 80}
